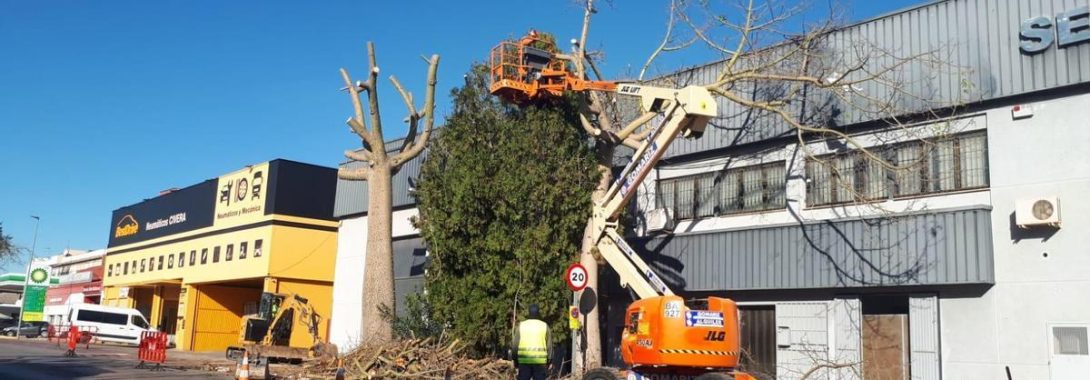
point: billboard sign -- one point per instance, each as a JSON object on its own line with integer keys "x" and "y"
{"x": 179, "y": 211}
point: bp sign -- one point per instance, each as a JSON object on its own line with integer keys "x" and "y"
{"x": 34, "y": 294}
{"x": 39, "y": 276}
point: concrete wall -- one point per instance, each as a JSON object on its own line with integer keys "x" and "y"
{"x": 1041, "y": 275}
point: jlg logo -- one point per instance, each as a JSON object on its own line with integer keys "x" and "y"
{"x": 716, "y": 336}
{"x": 631, "y": 90}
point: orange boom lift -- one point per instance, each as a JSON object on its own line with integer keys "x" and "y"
{"x": 667, "y": 337}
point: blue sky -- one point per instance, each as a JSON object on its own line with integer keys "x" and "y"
{"x": 103, "y": 104}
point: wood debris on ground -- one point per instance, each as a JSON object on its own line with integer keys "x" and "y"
{"x": 413, "y": 359}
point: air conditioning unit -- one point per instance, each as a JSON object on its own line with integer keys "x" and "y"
{"x": 1036, "y": 212}
{"x": 660, "y": 219}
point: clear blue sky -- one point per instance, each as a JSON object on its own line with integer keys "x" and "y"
{"x": 104, "y": 103}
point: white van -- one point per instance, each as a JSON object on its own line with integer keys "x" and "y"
{"x": 110, "y": 324}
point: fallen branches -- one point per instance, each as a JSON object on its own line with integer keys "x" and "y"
{"x": 414, "y": 359}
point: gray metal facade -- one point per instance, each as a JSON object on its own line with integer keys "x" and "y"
{"x": 980, "y": 38}
{"x": 936, "y": 248}
{"x": 352, "y": 195}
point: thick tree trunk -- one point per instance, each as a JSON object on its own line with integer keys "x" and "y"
{"x": 593, "y": 348}
{"x": 378, "y": 278}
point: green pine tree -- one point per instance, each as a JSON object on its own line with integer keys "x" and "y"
{"x": 504, "y": 196}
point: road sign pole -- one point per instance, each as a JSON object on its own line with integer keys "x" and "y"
{"x": 26, "y": 277}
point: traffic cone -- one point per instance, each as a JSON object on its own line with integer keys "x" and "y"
{"x": 244, "y": 369}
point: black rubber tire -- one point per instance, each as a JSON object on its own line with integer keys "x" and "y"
{"x": 600, "y": 374}
{"x": 10, "y": 333}
{"x": 714, "y": 376}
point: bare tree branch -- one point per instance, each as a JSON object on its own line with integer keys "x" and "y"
{"x": 429, "y": 114}
{"x": 359, "y": 174}
{"x": 372, "y": 99}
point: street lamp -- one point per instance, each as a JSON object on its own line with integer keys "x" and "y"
{"x": 26, "y": 279}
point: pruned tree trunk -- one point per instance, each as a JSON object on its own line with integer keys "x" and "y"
{"x": 378, "y": 278}
{"x": 378, "y": 275}
{"x": 587, "y": 257}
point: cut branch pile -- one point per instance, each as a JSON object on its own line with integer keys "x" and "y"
{"x": 414, "y": 359}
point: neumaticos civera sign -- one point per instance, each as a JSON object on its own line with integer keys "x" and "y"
{"x": 1069, "y": 28}
{"x": 183, "y": 210}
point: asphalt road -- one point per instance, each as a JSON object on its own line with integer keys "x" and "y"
{"x": 39, "y": 360}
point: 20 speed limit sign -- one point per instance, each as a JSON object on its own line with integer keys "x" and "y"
{"x": 576, "y": 277}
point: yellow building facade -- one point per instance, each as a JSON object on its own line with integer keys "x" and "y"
{"x": 194, "y": 261}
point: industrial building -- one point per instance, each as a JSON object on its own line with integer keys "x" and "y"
{"x": 969, "y": 264}
{"x": 195, "y": 260}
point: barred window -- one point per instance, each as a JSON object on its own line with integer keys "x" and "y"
{"x": 732, "y": 191}
{"x": 952, "y": 163}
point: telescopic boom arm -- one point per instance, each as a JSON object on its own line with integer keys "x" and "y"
{"x": 683, "y": 111}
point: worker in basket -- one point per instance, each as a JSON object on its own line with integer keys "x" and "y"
{"x": 532, "y": 346}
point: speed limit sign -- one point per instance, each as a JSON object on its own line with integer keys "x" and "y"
{"x": 576, "y": 277}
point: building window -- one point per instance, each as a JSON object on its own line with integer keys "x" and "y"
{"x": 952, "y": 163}
{"x": 160, "y": 262}
{"x": 151, "y": 263}
{"x": 181, "y": 259}
{"x": 204, "y": 256}
{"x": 110, "y": 270}
{"x": 143, "y": 265}
{"x": 242, "y": 250}
{"x": 126, "y": 267}
{"x": 134, "y": 267}
{"x": 1070, "y": 341}
{"x": 170, "y": 261}
{"x": 230, "y": 252}
{"x": 257, "y": 247}
{"x": 731, "y": 191}
{"x": 192, "y": 258}
{"x": 216, "y": 254}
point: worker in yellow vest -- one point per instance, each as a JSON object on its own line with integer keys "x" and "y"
{"x": 532, "y": 345}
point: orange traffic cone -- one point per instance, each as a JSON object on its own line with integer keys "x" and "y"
{"x": 244, "y": 369}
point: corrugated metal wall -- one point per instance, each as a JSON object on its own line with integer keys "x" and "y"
{"x": 977, "y": 39}
{"x": 352, "y": 195}
{"x": 950, "y": 247}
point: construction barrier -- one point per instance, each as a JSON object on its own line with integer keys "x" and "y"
{"x": 153, "y": 349}
{"x": 60, "y": 333}
{"x": 73, "y": 340}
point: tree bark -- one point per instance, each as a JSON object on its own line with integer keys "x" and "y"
{"x": 378, "y": 282}
{"x": 591, "y": 327}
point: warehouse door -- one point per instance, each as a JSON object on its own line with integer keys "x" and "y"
{"x": 758, "y": 336}
{"x": 802, "y": 339}
{"x": 218, "y": 316}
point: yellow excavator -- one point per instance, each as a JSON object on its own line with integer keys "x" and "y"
{"x": 266, "y": 335}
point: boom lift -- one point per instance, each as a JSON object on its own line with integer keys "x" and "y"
{"x": 665, "y": 337}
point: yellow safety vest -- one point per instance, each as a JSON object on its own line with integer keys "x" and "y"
{"x": 532, "y": 342}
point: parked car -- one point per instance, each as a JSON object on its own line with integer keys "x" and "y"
{"x": 29, "y": 329}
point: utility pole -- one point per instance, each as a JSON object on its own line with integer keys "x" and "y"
{"x": 26, "y": 278}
